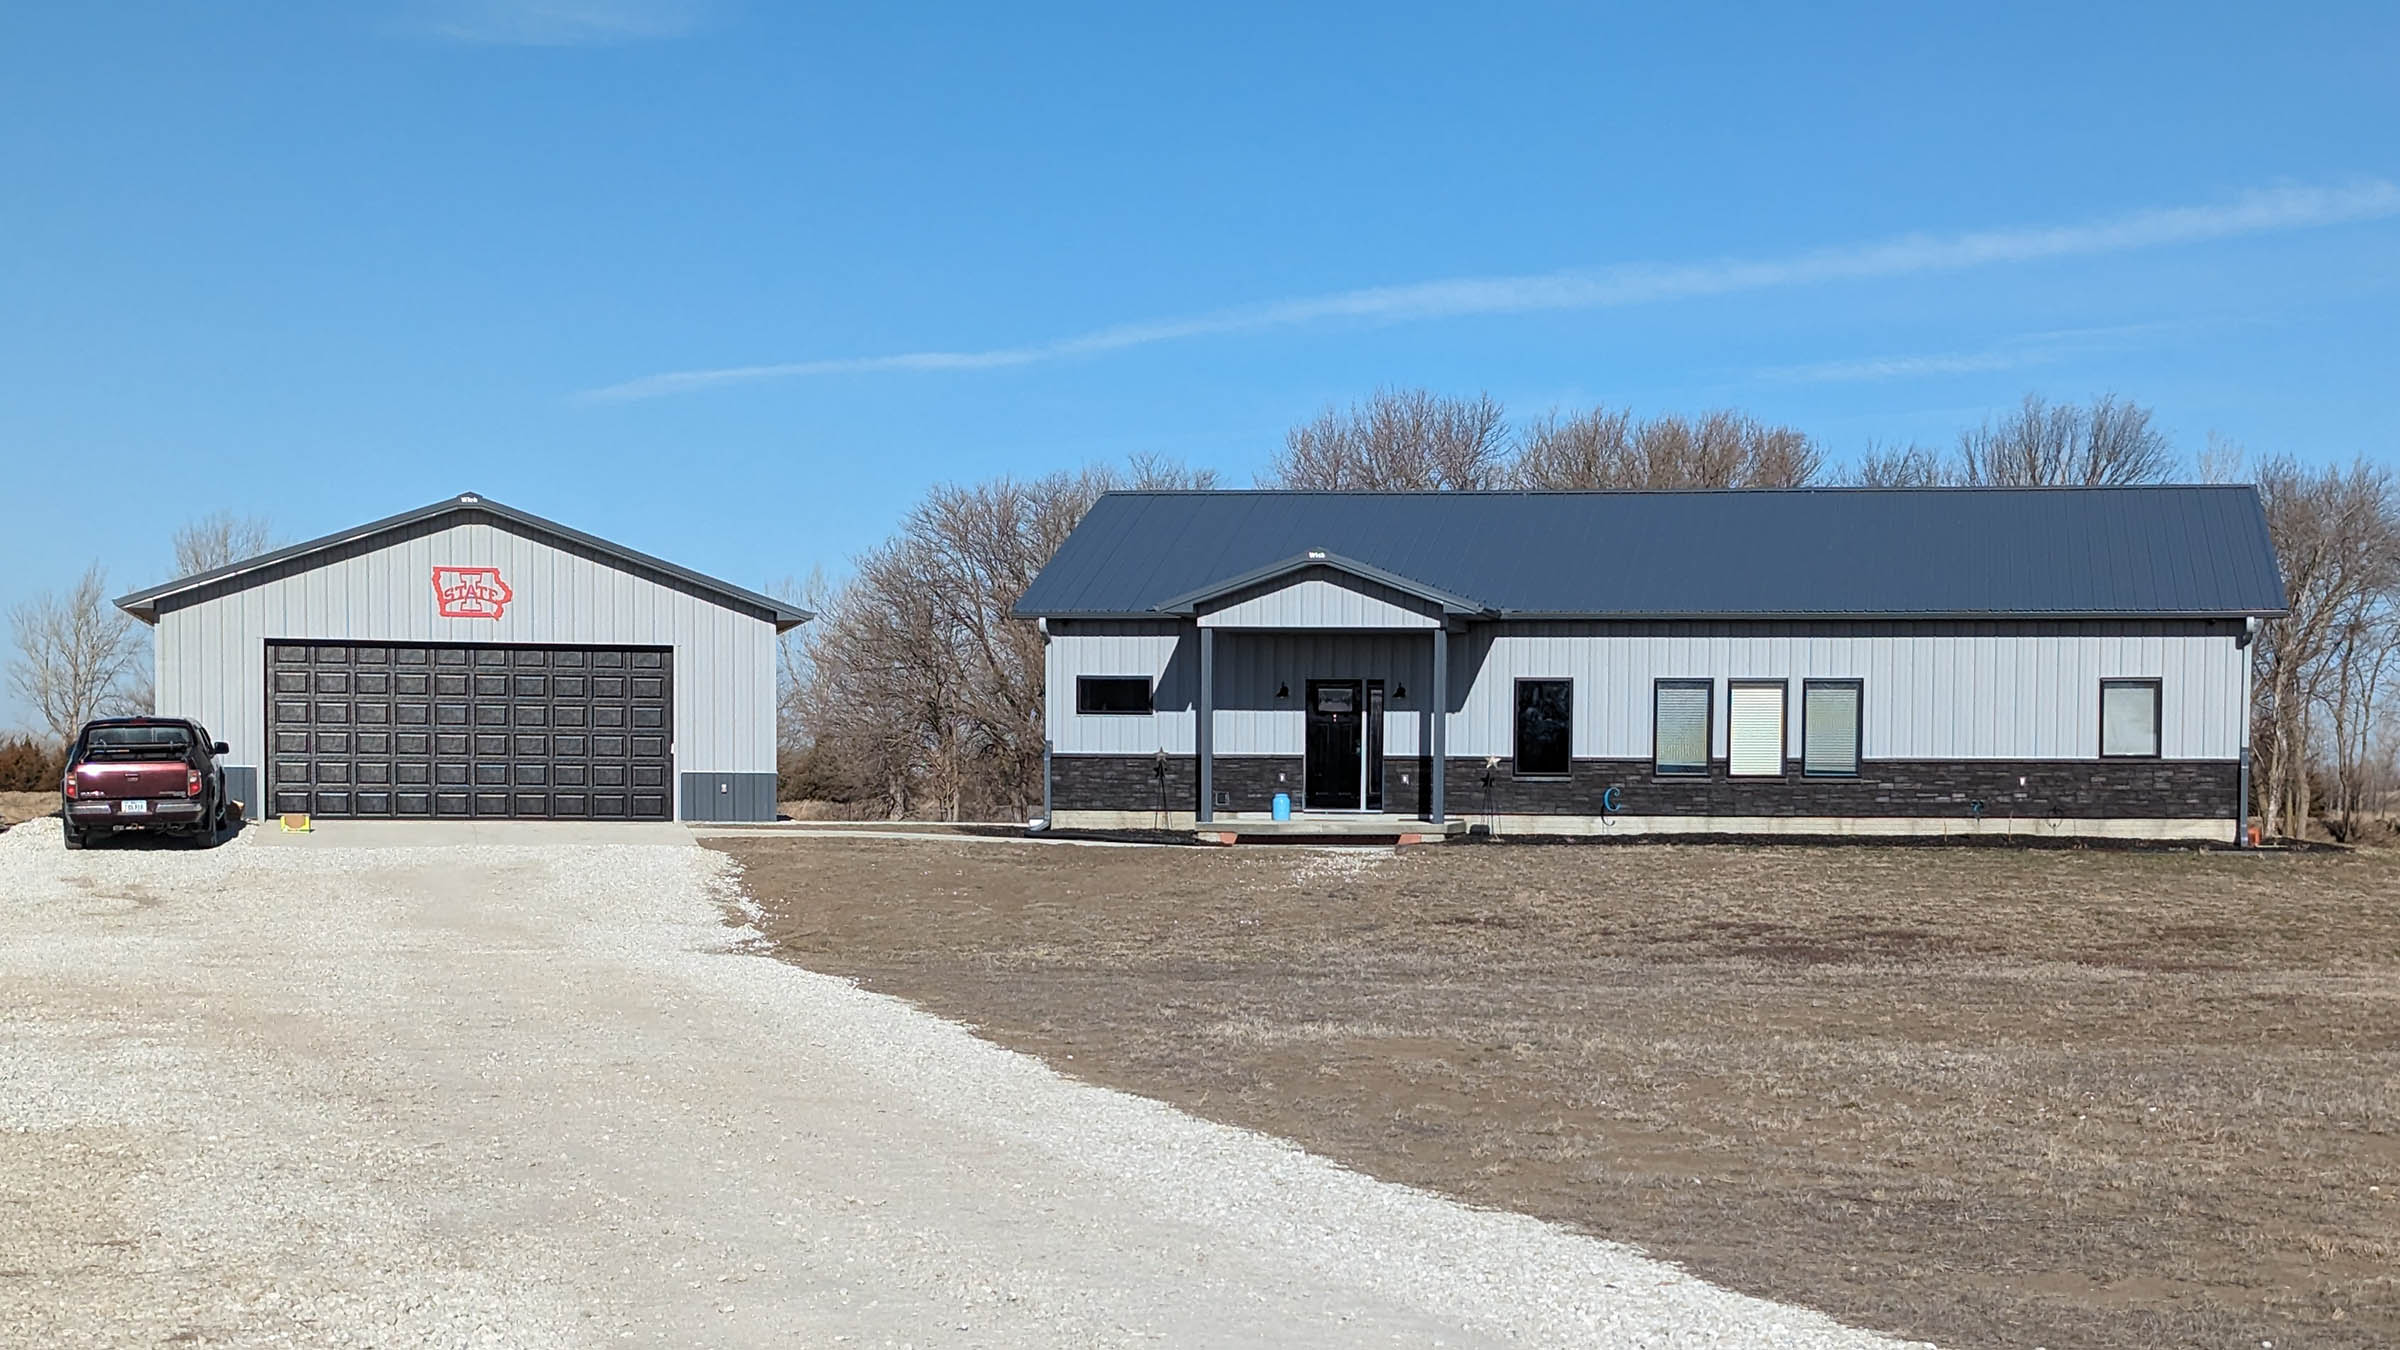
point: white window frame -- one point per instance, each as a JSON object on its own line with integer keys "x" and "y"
{"x": 1783, "y": 728}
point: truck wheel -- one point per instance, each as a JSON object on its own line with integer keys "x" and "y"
{"x": 74, "y": 837}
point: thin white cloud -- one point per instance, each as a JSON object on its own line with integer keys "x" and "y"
{"x": 2259, "y": 212}
{"x": 557, "y": 23}
{"x": 2030, "y": 349}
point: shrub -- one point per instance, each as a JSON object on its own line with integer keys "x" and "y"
{"x": 28, "y": 765}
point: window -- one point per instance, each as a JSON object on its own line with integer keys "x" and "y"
{"x": 1829, "y": 728}
{"x": 1679, "y": 730}
{"x": 1114, "y": 694}
{"x": 1545, "y": 728}
{"x": 1754, "y": 728}
{"x": 2129, "y": 719}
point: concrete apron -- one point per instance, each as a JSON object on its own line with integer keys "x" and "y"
{"x": 347, "y": 834}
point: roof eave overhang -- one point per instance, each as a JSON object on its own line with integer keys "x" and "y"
{"x": 1748, "y": 616}
{"x": 143, "y": 604}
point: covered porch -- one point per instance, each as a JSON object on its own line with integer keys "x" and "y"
{"x": 1348, "y": 666}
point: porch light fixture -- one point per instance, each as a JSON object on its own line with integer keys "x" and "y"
{"x": 1399, "y": 691}
{"x": 1283, "y": 693}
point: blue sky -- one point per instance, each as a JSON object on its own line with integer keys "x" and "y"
{"x": 327, "y": 262}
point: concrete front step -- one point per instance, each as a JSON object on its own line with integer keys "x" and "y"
{"x": 1347, "y": 827}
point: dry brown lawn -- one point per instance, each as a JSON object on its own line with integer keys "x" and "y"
{"x": 1990, "y": 1098}
{"x": 19, "y": 807}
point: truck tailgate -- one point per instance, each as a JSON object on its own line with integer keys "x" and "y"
{"x": 132, "y": 778}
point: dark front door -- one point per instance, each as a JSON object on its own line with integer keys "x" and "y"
{"x": 1334, "y": 745}
{"x": 377, "y": 729}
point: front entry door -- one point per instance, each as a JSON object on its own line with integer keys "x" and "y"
{"x": 1335, "y": 746}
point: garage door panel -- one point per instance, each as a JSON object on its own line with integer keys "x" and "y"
{"x": 471, "y": 730}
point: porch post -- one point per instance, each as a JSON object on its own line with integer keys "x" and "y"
{"x": 1441, "y": 717}
{"x": 1204, "y": 724}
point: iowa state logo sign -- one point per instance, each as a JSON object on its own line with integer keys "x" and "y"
{"x": 471, "y": 592}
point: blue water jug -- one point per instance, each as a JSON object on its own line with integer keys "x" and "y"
{"x": 1283, "y": 806}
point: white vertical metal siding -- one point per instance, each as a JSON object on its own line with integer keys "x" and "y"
{"x": 211, "y": 655}
{"x": 2020, "y": 691}
{"x": 1324, "y": 598}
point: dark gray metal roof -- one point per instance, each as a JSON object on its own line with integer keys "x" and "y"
{"x": 2152, "y": 552}
{"x": 144, "y": 604}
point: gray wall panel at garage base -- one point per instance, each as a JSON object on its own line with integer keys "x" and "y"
{"x": 211, "y": 640}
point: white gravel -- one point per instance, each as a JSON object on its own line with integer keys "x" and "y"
{"x": 541, "y": 1096}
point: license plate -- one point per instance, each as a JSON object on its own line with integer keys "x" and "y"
{"x": 133, "y": 808}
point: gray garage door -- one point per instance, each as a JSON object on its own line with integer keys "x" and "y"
{"x": 539, "y": 733}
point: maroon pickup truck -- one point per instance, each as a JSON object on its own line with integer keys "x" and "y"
{"x": 145, "y": 773}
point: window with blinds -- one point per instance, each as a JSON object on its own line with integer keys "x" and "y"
{"x": 1754, "y": 728}
{"x": 1829, "y": 728}
{"x": 1679, "y": 727}
{"x": 2129, "y": 719}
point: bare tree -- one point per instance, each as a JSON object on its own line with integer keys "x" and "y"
{"x": 919, "y": 689}
{"x": 1396, "y": 441}
{"x": 1606, "y": 448}
{"x": 2105, "y": 443}
{"x": 76, "y": 655}
{"x": 2337, "y": 535}
{"x": 220, "y": 538}
{"x": 1910, "y": 465}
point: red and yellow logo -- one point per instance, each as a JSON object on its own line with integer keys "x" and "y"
{"x": 471, "y": 592}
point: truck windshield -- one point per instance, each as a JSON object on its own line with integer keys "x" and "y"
{"x": 137, "y": 742}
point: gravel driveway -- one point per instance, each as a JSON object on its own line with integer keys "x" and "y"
{"x": 469, "y": 1095}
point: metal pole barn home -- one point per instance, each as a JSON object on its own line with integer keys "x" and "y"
{"x": 2053, "y": 662}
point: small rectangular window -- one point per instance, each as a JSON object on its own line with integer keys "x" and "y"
{"x": 1679, "y": 729}
{"x": 1112, "y": 694}
{"x": 1545, "y": 728}
{"x": 1829, "y": 728}
{"x": 2129, "y": 719}
{"x": 1754, "y": 728}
